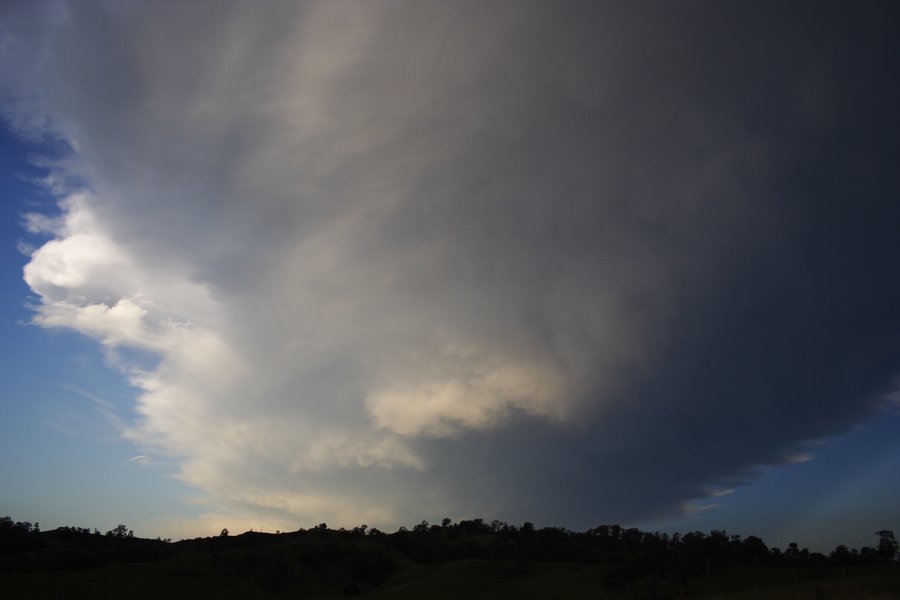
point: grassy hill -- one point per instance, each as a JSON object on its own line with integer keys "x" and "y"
{"x": 428, "y": 562}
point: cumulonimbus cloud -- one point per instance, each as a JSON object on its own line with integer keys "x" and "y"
{"x": 458, "y": 255}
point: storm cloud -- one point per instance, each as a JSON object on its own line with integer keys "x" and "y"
{"x": 573, "y": 263}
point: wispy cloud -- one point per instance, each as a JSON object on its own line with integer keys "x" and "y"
{"x": 690, "y": 509}
{"x": 800, "y": 457}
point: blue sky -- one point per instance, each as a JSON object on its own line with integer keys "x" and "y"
{"x": 63, "y": 459}
{"x": 368, "y": 263}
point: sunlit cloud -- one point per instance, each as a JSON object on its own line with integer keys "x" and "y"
{"x": 690, "y": 509}
{"x": 800, "y": 457}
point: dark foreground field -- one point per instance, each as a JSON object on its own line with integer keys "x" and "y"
{"x": 465, "y": 560}
{"x": 195, "y": 577}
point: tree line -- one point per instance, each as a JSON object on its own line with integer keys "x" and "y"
{"x": 629, "y": 553}
{"x": 613, "y": 545}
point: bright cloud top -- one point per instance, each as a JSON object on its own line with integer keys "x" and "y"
{"x": 368, "y": 241}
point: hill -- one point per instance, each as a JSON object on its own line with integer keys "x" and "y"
{"x": 469, "y": 559}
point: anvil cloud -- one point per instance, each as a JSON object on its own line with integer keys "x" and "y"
{"x": 396, "y": 260}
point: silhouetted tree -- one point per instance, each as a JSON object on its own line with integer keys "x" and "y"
{"x": 754, "y": 551}
{"x": 887, "y": 545}
{"x": 120, "y": 531}
{"x": 841, "y": 556}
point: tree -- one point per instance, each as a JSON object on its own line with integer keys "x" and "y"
{"x": 793, "y": 551}
{"x": 120, "y": 531}
{"x": 754, "y": 550}
{"x": 842, "y": 556}
{"x": 224, "y": 532}
{"x": 887, "y": 545}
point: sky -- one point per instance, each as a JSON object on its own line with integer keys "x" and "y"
{"x": 267, "y": 265}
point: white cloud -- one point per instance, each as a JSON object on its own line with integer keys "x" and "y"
{"x": 309, "y": 316}
{"x": 477, "y": 394}
{"x": 118, "y": 324}
{"x": 80, "y": 254}
{"x": 286, "y": 210}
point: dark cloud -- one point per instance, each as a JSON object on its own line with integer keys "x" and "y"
{"x": 569, "y": 262}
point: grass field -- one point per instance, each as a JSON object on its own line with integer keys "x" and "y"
{"x": 233, "y": 575}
